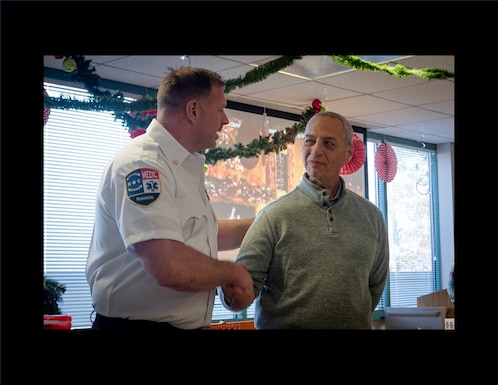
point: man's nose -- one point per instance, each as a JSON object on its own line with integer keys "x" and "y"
{"x": 225, "y": 120}
{"x": 317, "y": 148}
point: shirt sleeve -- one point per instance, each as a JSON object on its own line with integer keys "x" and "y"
{"x": 256, "y": 250}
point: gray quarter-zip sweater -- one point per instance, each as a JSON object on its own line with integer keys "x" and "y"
{"x": 316, "y": 263}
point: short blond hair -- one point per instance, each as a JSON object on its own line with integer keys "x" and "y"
{"x": 185, "y": 83}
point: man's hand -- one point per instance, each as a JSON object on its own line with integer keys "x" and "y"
{"x": 238, "y": 295}
{"x": 236, "y": 299}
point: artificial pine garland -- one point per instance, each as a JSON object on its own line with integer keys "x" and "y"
{"x": 261, "y": 72}
{"x": 398, "y": 70}
{"x": 138, "y": 114}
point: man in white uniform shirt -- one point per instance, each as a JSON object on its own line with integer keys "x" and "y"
{"x": 152, "y": 262}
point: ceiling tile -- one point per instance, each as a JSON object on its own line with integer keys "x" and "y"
{"x": 426, "y": 93}
{"x": 372, "y": 100}
{"x": 369, "y": 105}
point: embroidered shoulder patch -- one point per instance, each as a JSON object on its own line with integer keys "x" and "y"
{"x": 143, "y": 186}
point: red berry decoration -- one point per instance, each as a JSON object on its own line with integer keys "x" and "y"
{"x": 316, "y": 104}
{"x": 58, "y": 57}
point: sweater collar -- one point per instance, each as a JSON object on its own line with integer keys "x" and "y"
{"x": 319, "y": 194}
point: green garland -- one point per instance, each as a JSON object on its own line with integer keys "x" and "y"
{"x": 139, "y": 114}
{"x": 398, "y": 70}
{"x": 260, "y": 73}
{"x": 276, "y": 142}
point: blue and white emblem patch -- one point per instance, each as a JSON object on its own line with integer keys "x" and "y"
{"x": 143, "y": 186}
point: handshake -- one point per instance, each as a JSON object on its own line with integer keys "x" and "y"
{"x": 239, "y": 294}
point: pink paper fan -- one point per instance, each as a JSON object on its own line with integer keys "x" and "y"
{"x": 46, "y": 111}
{"x": 386, "y": 162}
{"x": 358, "y": 158}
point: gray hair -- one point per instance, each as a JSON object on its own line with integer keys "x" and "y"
{"x": 348, "y": 129}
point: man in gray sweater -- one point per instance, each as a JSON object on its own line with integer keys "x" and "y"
{"x": 319, "y": 255}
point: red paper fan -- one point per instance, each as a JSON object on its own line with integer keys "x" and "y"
{"x": 358, "y": 158}
{"x": 46, "y": 111}
{"x": 386, "y": 162}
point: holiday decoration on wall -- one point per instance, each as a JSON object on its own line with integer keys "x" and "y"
{"x": 242, "y": 181}
{"x": 137, "y": 115}
{"x": 139, "y": 121}
{"x": 386, "y": 163}
{"x": 46, "y": 111}
{"x": 358, "y": 158}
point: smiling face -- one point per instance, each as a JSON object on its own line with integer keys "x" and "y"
{"x": 325, "y": 150}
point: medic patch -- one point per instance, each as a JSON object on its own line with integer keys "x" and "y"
{"x": 143, "y": 186}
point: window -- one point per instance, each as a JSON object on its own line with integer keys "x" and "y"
{"x": 409, "y": 203}
{"x": 78, "y": 145}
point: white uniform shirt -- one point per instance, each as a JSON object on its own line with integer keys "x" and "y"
{"x": 152, "y": 189}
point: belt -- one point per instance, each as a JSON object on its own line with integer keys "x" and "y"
{"x": 108, "y": 323}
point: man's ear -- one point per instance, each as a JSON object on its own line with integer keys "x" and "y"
{"x": 350, "y": 152}
{"x": 192, "y": 109}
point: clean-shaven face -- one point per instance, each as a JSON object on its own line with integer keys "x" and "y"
{"x": 325, "y": 150}
{"x": 213, "y": 116}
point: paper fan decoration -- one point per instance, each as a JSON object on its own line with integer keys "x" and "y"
{"x": 358, "y": 158}
{"x": 386, "y": 162}
{"x": 46, "y": 111}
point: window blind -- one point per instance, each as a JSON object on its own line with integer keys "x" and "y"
{"x": 77, "y": 146}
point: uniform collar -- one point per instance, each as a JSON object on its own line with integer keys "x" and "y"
{"x": 171, "y": 148}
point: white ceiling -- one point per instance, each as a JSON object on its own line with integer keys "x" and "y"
{"x": 411, "y": 107}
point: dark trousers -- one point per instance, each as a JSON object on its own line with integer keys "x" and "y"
{"x": 107, "y": 323}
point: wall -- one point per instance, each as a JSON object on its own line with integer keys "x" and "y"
{"x": 446, "y": 208}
